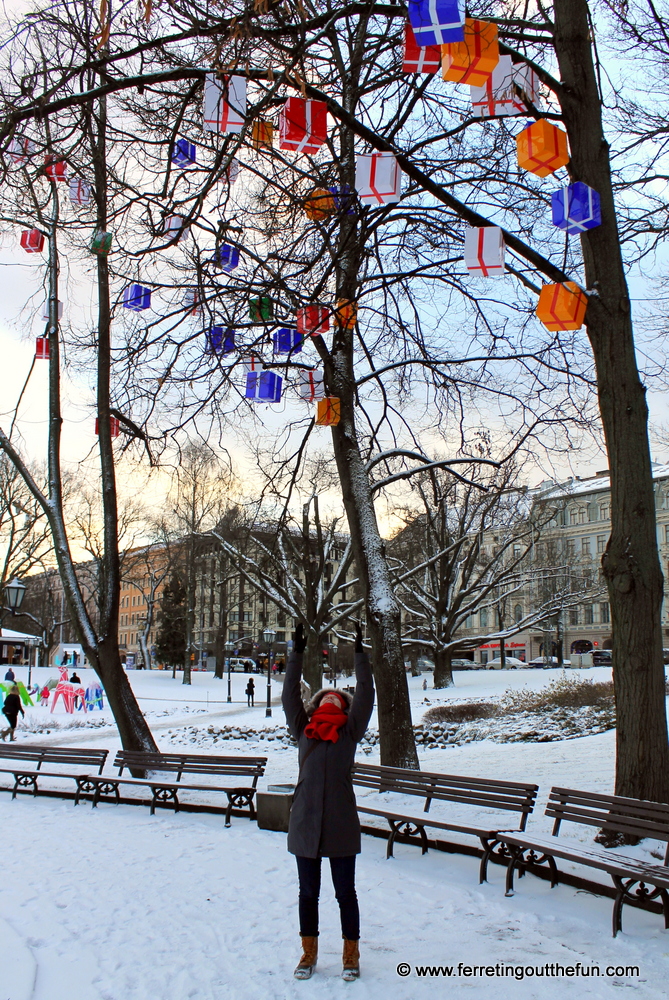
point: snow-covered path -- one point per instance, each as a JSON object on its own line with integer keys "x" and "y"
{"x": 113, "y": 904}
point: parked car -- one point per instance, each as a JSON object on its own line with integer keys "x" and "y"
{"x": 511, "y": 663}
{"x": 242, "y": 663}
{"x": 465, "y": 665}
{"x": 553, "y": 661}
{"x": 602, "y": 658}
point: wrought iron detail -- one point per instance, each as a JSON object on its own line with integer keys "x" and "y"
{"x": 492, "y": 848}
{"x": 521, "y": 858}
{"x": 106, "y": 787}
{"x": 240, "y": 798}
{"x": 24, "y": 781}
{"x": 643, "y": 893}
{"x": 164, "y": 795}
{"x": 405, "y": 828}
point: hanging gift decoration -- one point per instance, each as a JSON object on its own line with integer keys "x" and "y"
{"x": 20, "y": 149}
{"x": 344, "y": 199}
{"x": 55, "y": 168}
{"x": 419, "y": 58}
{"x": 114, "y": 426}
{"x": 313, "y": 321}
{"x": 191, "y": 300}
{"x": 474, "y": 58}
{"x": 220, "y": 340}
{"x": 499, "y": 95}
{"x": 175, "y": 226}
{"x": 346, "y": 314}
{"x": 45, "y": 310}
{"x": 183, "y": 154}
{"x": 232, "y": 171}
{"x": 287, "y": 340}
{"x": 137, "y": 297}
{"x": 251, "y": 363}
{"x": 32, "y": 240}
{"x": 328, "y": 411}
{"x": 101, "y": 243}
{"x": 319, "y": 204}
{"x": 262, "y": 135}
{"x": 576, "y": 208}
{"x": 303, "y": 125}
{"x": 264, "y": 386}
{"x": 562, "y": 307}
{"x": 436, "y": 22}
{"x": 378, "y": 178}
{"x": 542, "y": 148}
{"x": 80, "y": 191}
{"x": 484, "y": 251}
{"x": 224, "y": 103}
{"x": 261, "y": 309}
{"x": 311, "y": 386}
{"x": 42, "y": 349}
{"x": 226, "y": 257}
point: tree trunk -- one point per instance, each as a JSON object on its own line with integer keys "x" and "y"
{"x": 502, "y": 652}
{"x": 631, "y": 565}
{"x": 132, "y": 726}
{"x": 443, "y": 672}
{"x": 313, "y": 662}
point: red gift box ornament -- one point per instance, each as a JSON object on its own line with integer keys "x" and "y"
{"x": 55, "y": 168}
{"x": 224, "y": 103}
{"x": 419, "y": 58}
{"x": 42, "y": 349}
{"x": 114, "y": 426}
{"x": 378, "y": 178}
{"x": 313, "y": 321}
{"x": 484, "y": 251}
{"x": 303, "y": 125}
{"x": 32, "y": 240}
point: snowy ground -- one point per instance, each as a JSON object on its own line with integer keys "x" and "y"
{"x": 113, "y": 904}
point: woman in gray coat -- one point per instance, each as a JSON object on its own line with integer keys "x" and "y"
{"x": 324, "y": 820}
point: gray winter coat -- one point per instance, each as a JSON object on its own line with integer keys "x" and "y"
{"x": 324, "y": 820}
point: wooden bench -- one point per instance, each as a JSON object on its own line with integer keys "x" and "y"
{"x": 26, "y": 780}
{"x": 503, "y": 796}
{"x": 609, "y": 813}
{"x": 179, "y": 764}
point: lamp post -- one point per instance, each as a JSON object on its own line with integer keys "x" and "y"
{"x": 269, "y": 636}
{"x": 14, "y": 594}
{"x": 228, "y": 647}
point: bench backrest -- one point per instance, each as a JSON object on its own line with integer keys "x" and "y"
{"x": 56, "y": 755}
{"x": 508, "y": 796}
{"x": 614, "y": 813}
{"x": 180, "y": 763}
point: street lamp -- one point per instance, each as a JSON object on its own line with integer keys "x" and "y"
{"x": 14, "y": 594}
{"x": 269, "y": 635}
{"x": 228, "y": 647}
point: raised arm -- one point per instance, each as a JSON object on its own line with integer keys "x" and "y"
{"x": 291, "y": 697}
{"x": 363, "y": 701}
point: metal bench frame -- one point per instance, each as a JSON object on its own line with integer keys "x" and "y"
{"x": 25, "y": 780}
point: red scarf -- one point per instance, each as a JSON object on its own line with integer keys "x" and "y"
{"x": 326, "y": 722}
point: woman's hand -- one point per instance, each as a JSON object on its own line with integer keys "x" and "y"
{"x": 299, "y": 643}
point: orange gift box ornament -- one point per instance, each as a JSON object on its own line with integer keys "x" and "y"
{"x": 346, "y": 313}
{"x": 542, "y": 148}
{"x": 328, "y": 411}
{"x": 263, "y": 134}
{"x": 319, "y": 204}
{"x": 562, "y": 307}
{"x": 473, "y": 59}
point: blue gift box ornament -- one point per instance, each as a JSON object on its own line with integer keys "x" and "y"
{"x": 576, "y": 208}
{"x": 436, "y": 22}
{"x": 183, "y": 153}
{"x": 220, "y": 340}
{"x": 226, "y": 257}
{"x": 287, "y": 340}
{"x": 265, "y": 386}
{"x": 344, "y": 199}
{"x": 137, "y": 297}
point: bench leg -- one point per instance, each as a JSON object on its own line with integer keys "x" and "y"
{"x": 240, "y": 798}
{"x": 164, "y": 795}
{"x": 402, "y": 828}
{"x": 521, "y": 858}
{"x": 491, "y": 849}
{"x": 642, "y": 892}
{"x": 514, "y": 859}
{"x": 105, "y": 788}
{"x": 24, "y": 781}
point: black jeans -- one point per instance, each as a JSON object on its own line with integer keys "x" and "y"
{"x": 343, "y": 880}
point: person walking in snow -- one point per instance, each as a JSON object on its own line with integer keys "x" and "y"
{"x": 250, "y": 692}
{"x": 323, "y": 819}
{"x": 11, "y": 709}
{"x": 10, "y": 675}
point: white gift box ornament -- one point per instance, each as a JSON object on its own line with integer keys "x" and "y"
{"x": 311, "y": 385}
{"x": 224, "y": 103}
{"x": 20, "y": 149}
{"x": 499, "y": 95}
{"x": 80, "y": 191}
{"x": 175, "y": 225}
{"x": 251, "y": 363}
{"x": 45, "y": 310}
{"x": 484, "y": 251}
{"x": 378, "y": 178}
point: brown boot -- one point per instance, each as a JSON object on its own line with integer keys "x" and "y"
{"x": 351, "y": 960}
{"x": 307, "y": 963}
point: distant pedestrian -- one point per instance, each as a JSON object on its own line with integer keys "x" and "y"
{"x": 75, "y": 679}
{"x": 44, "y": 695}
{"x": 424, "y": 683}
{"x": 10, "y": 675}
{"x": 11, "y": 709}
{"x": 250, "y": 692}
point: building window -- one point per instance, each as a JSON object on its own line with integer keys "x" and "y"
{"x": 571, "y": 547}
{"x": 518, "y": 613}
{"x": 587, "y": 614}
{"x": 573, "y": 616}
{"x": 280, "y": 637}
{"x": 604, "y": 614}
{"x": 585, "y": 546}
{"x": 581, "y": 517}
{"x": 601, "y": 543}
{"x": 666, "y": 534}
{"x": 573, "y": 516}
{"x": 604, "y": 512}
{"x": 483, "y": 617}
